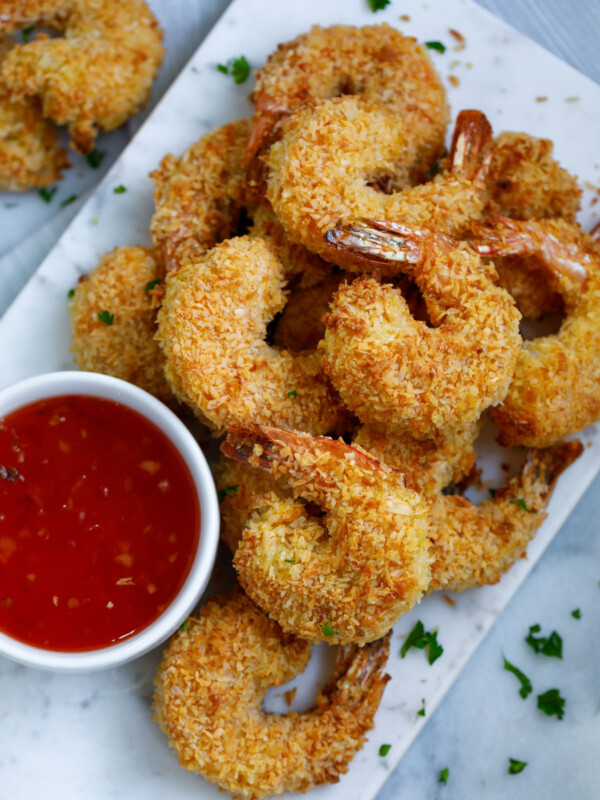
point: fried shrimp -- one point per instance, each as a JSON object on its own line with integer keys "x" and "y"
{"x": 473, "y": 545}
{"x": 358, "y": 565}
{"x": 210, "y": 685}
{"x": 376, "y": 63}
{"x": 212, "y": 328}
{"x": 97, "y": 74}
{"x": 555, "y": 390}
{"x": 322, "y": 174}
{"x": 113, "y": 321}
{"x": 393, "y": 370}
{"x": 29, "y": 151}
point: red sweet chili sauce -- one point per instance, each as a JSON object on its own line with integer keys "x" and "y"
{"x": 99, "y": 522}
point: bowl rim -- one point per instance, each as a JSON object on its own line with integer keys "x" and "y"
{"x": 55, "y": 384}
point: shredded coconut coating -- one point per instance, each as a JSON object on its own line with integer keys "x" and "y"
{"x": 29, "y": 151}
{"x": 96, "y": 74}
{"x": 393, "y": 370}
{"x": 555, "y": 389}
{"x": 212, "y": 328}
{"x": 362, "y": 563}
{"x": 125, "y": 349}
{"x": 210, "y": 686}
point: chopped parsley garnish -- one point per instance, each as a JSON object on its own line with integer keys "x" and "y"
{"x": 520, "y": 502}
{"x": 516, "y": 766}
{"x": 576, "y": 613}
{"x": 238, "y": 68}
{"x": 119, "y": 189}
{"x": 293, "y": 393}
{"x": 26, "y": 33}
{"x": 441, "y": 48}
{"x": 47, "y": 194}
{"x": 327, "y": 630}
{"x": 106, "y": 317}
{"x": 290, "y": 560}
{"x": 71, "y": 294}
{"x": 550, "y": 646}
{"x": 493, "y": 493}
{"x": 95, "y": 158}
{"x": 378, "y": 5}
{"x": 385, "y": 749}
{"x": 551, "y": 703}
{"x": 526, "y": 687}
{"x": 420, "y": 638}
{"x": 435, "y": 168}
{"x": 151, "y": 284}
{"x": 227, "y": 491}
{"x": 69, "y": 200}
{"x": 444, "y": 773}
{"x": 421, "y": 711}
{"x": 183, "y": 626}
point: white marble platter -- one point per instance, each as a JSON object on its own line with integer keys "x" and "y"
{"x": 91, "y": 736}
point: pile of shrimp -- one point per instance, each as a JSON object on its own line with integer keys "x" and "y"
{"x": 64, "y": 80}
{"x": 341, "y": 298}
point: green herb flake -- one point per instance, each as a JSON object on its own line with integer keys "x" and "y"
{"x": 385, "y": 749}
{"x": 71, "y": 294}
{"x": 551, "y": 703}
{"x": 95, "y": 158}
{"x": 493, "y": 493}
{"x": 119, "y": 189}
{"x": 526, "y": 687}
{"x": 10, "y": 205}
{"x": 378, "y": 5}
{"x": 444, "y": 773}
{"x": 69, "y": 200}
{"x": 106, "y": 317}
{"x": 516, "y": 766}
{"x": 290, "y": 560}
{"x": 421, "y": 711}
{"x": 47, "y": 194}
{"x": 152, "y": 284}
{"x": 293, "y": 393}
{"x": 327, "y": 630}
{"x": 420, "y": 638}
{"x": 520, "y": 502}
{"x": 238, "y": 68}
{"x": 441, "y": 48}
{"x": 550, "y": 646}
{"x": 184, "y": 625}
{"x": 576, "y": 613}
{"x": 26, "y": 33}
{"x": 227, "y": 491}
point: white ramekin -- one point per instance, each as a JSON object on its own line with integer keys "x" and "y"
{"x": 95, "y": 385}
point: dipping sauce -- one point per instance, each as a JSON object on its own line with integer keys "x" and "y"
{"x": 99, "y": 523}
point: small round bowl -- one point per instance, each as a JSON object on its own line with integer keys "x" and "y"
{"x": 92, "y": 384}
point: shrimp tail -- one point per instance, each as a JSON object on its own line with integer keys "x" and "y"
{"x": 358, "y": 675}
{"x": 471, "y": 150}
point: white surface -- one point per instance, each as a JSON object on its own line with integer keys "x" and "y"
{"x": 93, "y": 739}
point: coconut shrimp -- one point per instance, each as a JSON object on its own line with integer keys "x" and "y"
{"x": 322, "y": 174}
{"x": 376, "y": 63}
{"x": 210, "y": 686}
{"x": 555, "y": 390}
{"x": 113, "y": 320}
{"x": 104, "y": 43}
{"x": 346, "y": 573}
{"x": 29, "y": 151}
{"x": 212, "y": 328}
{"x": 393, "y": 370}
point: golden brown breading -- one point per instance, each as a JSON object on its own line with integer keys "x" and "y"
{"x": 126, "y": 347}
{"x": 97, "y": 74}
{"x": 210, "y": 686}
{"x": 212, "y": 328}
{"x": 29, "y": 151}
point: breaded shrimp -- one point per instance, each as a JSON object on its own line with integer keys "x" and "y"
{"x": 358, "y": 567}
{"x": 323, "y": 168}
{"x": 97, "y": 74}
{"x": 473, "y": 545}
{"x": 555, "y": 390}
{"x": 393, "y": 370}
{"x": 375, "y": 62}
{"x": 210, "y": 686}
{"x": 29, "y": 151}
{"x": 113, "y": 321}
{"x": 212, "y": 328}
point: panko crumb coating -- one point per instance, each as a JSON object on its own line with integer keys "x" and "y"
{"x": 210, "y": 686}
{"x": 212, "y": 328}
{"x": 126, "y": 348}
{"x": 30, "y": 154}
{"x": 96, "y": 74}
